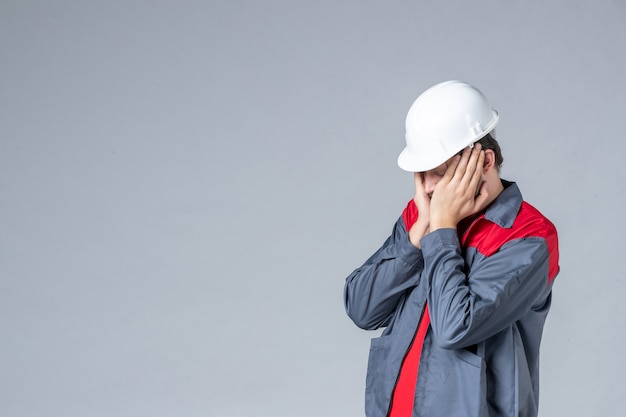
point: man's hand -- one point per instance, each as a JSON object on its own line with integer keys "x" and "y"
{"x": 461, "y": 192}
{"x": 422, "y": 201}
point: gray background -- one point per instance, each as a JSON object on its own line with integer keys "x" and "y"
{"x": 184, "y": 186}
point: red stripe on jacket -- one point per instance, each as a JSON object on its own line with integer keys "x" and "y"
{"x": 488, "y": 237}
{"x": 404, "y": 391}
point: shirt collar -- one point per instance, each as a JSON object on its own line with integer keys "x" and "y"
{"x": 505, "y": 207}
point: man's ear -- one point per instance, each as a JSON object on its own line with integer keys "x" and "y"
{"x": 489, "y": 161}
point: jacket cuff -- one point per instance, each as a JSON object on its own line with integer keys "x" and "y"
{"x": 438, "y": 239}
{"x": 409, "y": 253}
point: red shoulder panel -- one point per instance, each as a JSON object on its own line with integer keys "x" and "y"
{"x": 487, "y": 237}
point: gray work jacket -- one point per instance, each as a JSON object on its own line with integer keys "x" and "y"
{"x": 488, "y": 293}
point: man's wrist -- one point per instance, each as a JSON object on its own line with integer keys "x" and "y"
{"x": 442, "y": 224}
{"x": 415, "y": 237}
{"x": 417, "y": 232}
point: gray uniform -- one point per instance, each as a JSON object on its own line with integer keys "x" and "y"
{"x": 488, "y": 293}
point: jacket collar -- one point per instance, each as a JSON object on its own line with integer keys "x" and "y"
{"x": 505, "y": 207}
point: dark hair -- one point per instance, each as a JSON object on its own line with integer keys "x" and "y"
{"x": 490, "y": 142}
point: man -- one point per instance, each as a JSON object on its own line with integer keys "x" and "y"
{"x": 463, "y": 284}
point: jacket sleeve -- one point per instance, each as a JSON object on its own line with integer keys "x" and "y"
{"x": 373, "y": 291}
{"x": 499, "y": 290}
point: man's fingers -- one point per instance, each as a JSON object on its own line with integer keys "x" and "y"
{"x": 421, "y": 198}
{"x": 480, "y": 202}
{"x": 461, "y": 166}
{"x": 419, "y": 181}
{"x": 451, "y": 169}
{"x": 478, "y": 171}
{"x": 473, "y": 167}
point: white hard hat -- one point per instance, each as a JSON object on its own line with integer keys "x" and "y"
{"x": 442, "y": 121}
